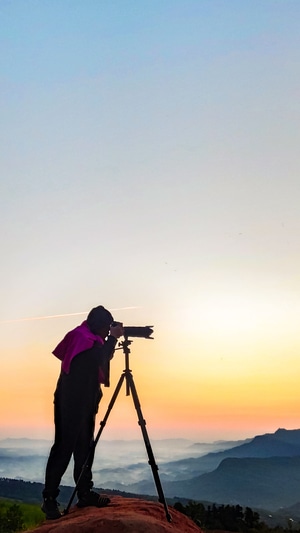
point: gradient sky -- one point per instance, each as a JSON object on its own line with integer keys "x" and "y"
{"x": 150, "y": 159}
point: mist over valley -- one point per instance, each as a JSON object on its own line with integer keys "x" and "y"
{"x": 262, "y": 472}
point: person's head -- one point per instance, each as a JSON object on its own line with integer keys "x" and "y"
{"x": 99, "y": 320}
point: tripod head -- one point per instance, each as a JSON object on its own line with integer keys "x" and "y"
{"x": 142, "y": 332}
{"x": 124, "y": 345}
{"x": 132, "y": 331}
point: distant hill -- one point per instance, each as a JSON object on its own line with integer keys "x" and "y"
{"x": 282, "y": 443}
{"x": 264, "y": 473}
{"x": 28, "y": 491}
{"x": 31, "y": 492}
{"x": 11, "y": 442}
{"x": 267, "y": 483}
{"x": 218, "y": 445}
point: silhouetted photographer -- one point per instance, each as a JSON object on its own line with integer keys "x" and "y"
{"x": 85, "y": 353}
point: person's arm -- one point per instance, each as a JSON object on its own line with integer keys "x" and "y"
{"x": 108, "y": 349}
{"x": 115, "y": 332}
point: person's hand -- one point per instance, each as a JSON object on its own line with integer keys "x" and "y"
{"x": 117, "y": 330}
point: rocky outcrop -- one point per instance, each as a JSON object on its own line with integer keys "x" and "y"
{"x": 123, "y": 515}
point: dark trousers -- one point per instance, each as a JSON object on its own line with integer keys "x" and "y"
{"x": 74, "y": 432}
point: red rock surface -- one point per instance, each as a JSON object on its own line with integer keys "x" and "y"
{"x": 123, "y": 515}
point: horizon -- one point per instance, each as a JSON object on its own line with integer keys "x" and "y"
{"x": 115, "y": 437}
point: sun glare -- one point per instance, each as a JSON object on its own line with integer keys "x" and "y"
{"x": 231, "y": 314}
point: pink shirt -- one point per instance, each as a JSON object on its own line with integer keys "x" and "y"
{"x": 75, "y": 341}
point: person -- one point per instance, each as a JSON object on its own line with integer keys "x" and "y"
{"x": 85, "y": 354}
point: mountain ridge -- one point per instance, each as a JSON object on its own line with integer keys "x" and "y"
{"x": 250, "y": 474}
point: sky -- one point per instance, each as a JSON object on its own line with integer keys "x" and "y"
{"x": 150, "y": 163}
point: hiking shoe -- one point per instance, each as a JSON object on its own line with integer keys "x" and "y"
{"x": 51, "y": 509}
{"x": 92, "y": 499}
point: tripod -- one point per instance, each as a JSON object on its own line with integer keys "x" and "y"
{"x": 130, "y": 388}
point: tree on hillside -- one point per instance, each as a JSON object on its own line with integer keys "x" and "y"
{"x": 251, "y": 518}
{"x": 194, "y": 510}
{"x": 11, "y": 520}
{"x": 222, "y": 517}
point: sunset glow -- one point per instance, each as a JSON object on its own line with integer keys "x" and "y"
{"x": 150, "y": 163}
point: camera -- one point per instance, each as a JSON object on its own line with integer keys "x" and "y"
{"x": 143, "y": 332}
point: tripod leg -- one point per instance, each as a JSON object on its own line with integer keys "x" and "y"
{"x": 152, "y": 463}
{"x": 95, "y": 441}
